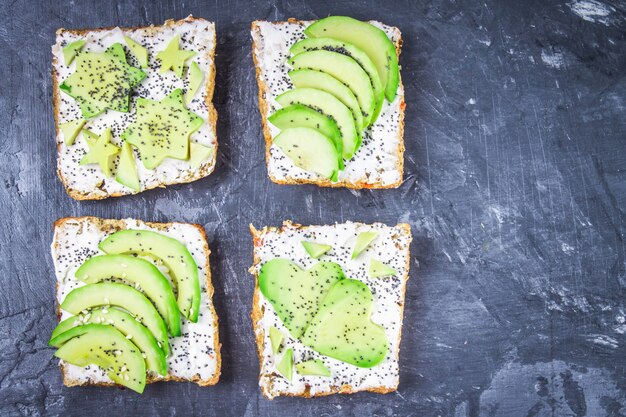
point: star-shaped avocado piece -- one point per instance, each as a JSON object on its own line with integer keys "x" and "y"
{"x": 102, "y": 81}
{"x": 101, "y": 152}
{"x": 162, "y": 129}
{"x": 173, "y": 57}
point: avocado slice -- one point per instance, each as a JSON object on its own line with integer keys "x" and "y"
{"x": 125, "y": 323}
{"x": 140, "y": 52}
{"x": 173, "y": 57}
{"x": 370, "y": 39}
{"x": 363, "y": 240}
{"x": 101, "y": 152}
{"x": 276, "y": 338}
{"x": 71, "y": 49}
{"x": 298, "y": 115}
{"x": 285, "y": 366}
{"x": 346, "y": 70}
{"x": 137, "y": 272}
{"x": 175, "y": 256}
{"x": 315, "y": 250}
{"x": 310, "y": 150}
{"x": 127, "y": 169}
{"x": 342, "y": 328}
{"x": 102, "y": 81}
{"x": 306, "y": 78}
{"x": 354, "y": 52}
{"x": 106, "y": 347}
{"x": 195, "y": 78}
{"x": 71, "y": 129}
{"x": 312, "y": 367}
{"x": 330, "y": 106}
{"x": 379, "y": 269}
{"x": 199, "y": 154}
{"x": 295, "y": 293}
{"x": 120, "y": 295}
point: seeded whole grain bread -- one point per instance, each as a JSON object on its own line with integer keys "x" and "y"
{"x": 267, "y": 379}
{"x": 110, "y": 226}
{"x": 257, "y": 40}
{"x": 202, "y": 171}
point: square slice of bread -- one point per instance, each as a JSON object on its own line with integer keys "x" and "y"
{"x": 378, "y": 163}
{"x": 390, "y": 247}
{"x": 195, "y": 355}
{"x": 88, "y": 182}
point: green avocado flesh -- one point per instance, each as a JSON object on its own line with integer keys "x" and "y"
{"x": 102, "y": 81}
{"x": 101, "y": 152}
{"x": 195, "y": 78}
{"x": 175, "y": 256}
{"x": 306, "y": 78}
{"x": 330, "y": 106}
{"x": 354, "y": 52}
{"x": 276, "y": 338}
{"x": 71, "y": 130}
{"x": 138, "y": 272}
{"x": 139, "y": 51}
{"x": 315, "y": 250}
{"x": 198, "y": 154}
{"x": 70, "y": 51}
{"x": 127, "y": 169}
{"x": 162, "y": 129}
{"x": 295, "y": 293}
{"x": 372, "y": 40}
{"x": 342, "y": 328}
{"x": 120, "y": 295}
{"x": 106, "y": 347}
{"x": 344, "y": 69}
{"x": 285, "y": 366}
{"x": 363, "y": 240}
{"x": 379, "y": 269}
{"x": 313, "y": 367}
{"x": 310, "y": 150}
{"x": 173, "y": 57}
{"x": 122, "y": 321}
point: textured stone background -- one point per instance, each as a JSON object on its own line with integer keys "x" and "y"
{"x": 515, "y": 189}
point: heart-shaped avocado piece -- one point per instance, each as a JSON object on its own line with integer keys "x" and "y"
{"x": 296, "y": 294}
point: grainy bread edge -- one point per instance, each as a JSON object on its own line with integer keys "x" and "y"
{"x": 113, "y": 224}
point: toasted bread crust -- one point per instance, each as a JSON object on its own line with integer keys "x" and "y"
{"x": 111, "y": 225}
{"x": 322, "y": 182}
{"x": 257, "y": 314}
{"x": 202, "y": 172}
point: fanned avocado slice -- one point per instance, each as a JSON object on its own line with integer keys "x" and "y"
{"x": 120, "y": 295}
{"x": 285, "y": 366}
{"x": 106, "y": 347}
{"x": 102, "y": 81}
{"x": 125, "y": 323}
{"x": 370, "y": 39}
{"x": 138, "y": 272}
{"x": 310, "y": 150}
{"x": 312, "y": 367}
{"x": 175, "y": 256}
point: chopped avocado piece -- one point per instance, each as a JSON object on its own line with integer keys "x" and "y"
{"x": 175, "y": 256}
{"x": 127, "y": 169}
{"x": 312, "y": 367}
{"x": 174, "y": 58}
{"x": 276, "y": 338}
{"x": 90, "y": 137}
{"x": 346, "y": 70}
{"x": 310, "y": 150}
{"x": 71, "y": 49}
{"x": 71, "y": 130}
{"x": 106, "y": 347}
{"x": 306, "y": 78}
{"x": 370, "y": 39}
{"x": 379, "y": 269}
{"x": 285, "y": 366}
{"x": 195, "y": 78}
{"x": 102, "y": 81}
{"x": 162, "y": 129}
{"x": 330, "y": 106}
{"x": 296, "y": 293}
{"x": 315, "y": 250}
{"x": 140, "y": 273}
{"x": 298, "y": 115}
{"x": 342, "y": 328}
{"x": 198, "y": 154}
{"x": 139, "y": 51}
{"x": 101, "y": 153}
{"x": 125, "y": 323}
{"x": 354, "y": 52}
{"x": 363, "y": 240}
{"x": 120, "y": 295}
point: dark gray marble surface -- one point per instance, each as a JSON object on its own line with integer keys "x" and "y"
{"x": 515, "y": 188}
